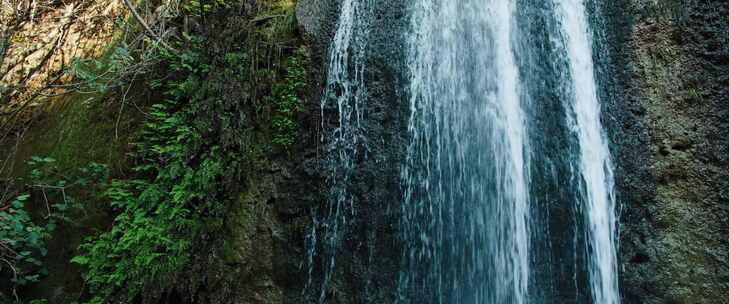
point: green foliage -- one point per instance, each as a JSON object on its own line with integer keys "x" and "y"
{"x": 287, "y": 102}
{"x": 159, "y": 213}
{"x": 99, "y": 75}
{"x": 189, "y": 151}
{"x": 280, "y": 21}
{"x": 23, "y": 241}
{"x": 202, "y": 7}
{"x": 23, "y": 232}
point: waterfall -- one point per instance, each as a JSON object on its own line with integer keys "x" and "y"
{"x": 507, "y": 181}
{"x": 344, "y": 98}
{"x": 595, "y": 165}
{"x": 465, "y": 210}
{"x": 473, "y": 218}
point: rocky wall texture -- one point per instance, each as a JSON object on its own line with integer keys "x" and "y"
{"x": 666, "y": 73}
{"x": 369, "y": 255}
{"x": 670, "y": 121}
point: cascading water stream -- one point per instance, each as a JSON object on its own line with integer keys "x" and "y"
{"x": 343, "y": 140}
{"x": 469, "y": 205}
{"x": 465, "y": 212}
{"x": 507, "y": 181}
{"x": 595, "y": 165}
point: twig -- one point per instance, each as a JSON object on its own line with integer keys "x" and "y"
{"x": 146, "y": 27}
{"x": 264, "y": 18}
{"x": 124, "y": 101}
{"x": 45, "y": 198}
{"x": 6, "y": 207}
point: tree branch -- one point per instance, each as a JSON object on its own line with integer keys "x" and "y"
{"x": 146, "y": 27}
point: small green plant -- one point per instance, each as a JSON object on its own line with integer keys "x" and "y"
{"x": 694, "y": 94}
{"x": 202, "y": 7}
{"x": 287, "y": 102}
{"x": 22, "y": 242}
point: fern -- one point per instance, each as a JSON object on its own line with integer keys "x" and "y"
{"x": 159, "y": 213}
{"x": 287, "y": 102}
{"x": 179, "y": 181}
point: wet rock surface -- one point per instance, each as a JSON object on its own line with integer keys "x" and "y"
{"x": 667, "y": 87}
{"x": 669, "y": 121}
{"x": 369, "y": 255}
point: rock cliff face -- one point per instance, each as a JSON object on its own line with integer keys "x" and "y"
{"x": 368, "y": 257}
{"x": 667, "y": 74}
{"x": 670, "y": 123}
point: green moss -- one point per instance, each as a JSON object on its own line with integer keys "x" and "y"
{"x": 241, "y": 224}
{"x": 75, "y": 129}
{"x": 85, "y": 128}
{"x": 80, "y": 130}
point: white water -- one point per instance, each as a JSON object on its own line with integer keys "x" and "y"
{"x": 344, "y": 92}
{"x": 465, "y": 209}
{"x": 518, "y": 255}
{"x": 594, "y": 165}
{"x": 468, "y": 196}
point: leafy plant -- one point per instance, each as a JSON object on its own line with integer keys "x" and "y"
{"x": 23, "y": 232}
{"x": 159, "y": 212}
{"x": 201, "y": 7}
{"x": 22, "y": 241}
{"x": 187, "y": 154}
{"x": 286, "y": 100}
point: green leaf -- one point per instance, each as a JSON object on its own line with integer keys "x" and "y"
{"x": 81, "y": 260}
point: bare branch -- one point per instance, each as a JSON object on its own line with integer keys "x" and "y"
{"x": 146, "y": 27}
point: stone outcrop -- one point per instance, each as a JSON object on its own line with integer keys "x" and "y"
{"x": 672, "y": 145}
